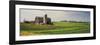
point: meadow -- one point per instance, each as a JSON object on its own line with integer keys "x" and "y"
{"x": 27, "y": 29}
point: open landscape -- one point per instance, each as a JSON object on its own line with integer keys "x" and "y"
{"x": 53, "y": 22}
{"x": 57, "y": 28}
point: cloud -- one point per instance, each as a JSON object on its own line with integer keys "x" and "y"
{"x": 55, "y": 15}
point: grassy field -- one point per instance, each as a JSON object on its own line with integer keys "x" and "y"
{"x": 27, "y": 29}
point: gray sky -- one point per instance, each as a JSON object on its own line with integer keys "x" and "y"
{"x": 55, "y": 15}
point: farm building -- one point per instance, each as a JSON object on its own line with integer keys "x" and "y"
{"x": 43, "y": 20}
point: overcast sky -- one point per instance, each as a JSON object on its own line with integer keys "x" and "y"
{"x": 55, "y": 15}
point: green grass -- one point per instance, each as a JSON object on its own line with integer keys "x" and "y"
{"x": 57, "y": 28}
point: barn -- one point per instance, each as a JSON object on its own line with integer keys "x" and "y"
{"x": 42, "y": 20}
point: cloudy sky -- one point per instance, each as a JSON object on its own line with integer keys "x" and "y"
{"x": 55, "y": 15}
